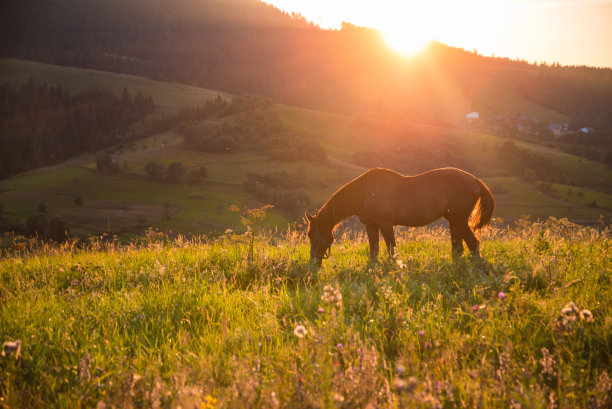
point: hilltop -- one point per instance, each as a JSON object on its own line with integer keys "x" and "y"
{"x": 245, "y": 46}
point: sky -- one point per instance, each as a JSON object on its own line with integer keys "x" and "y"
{"x": 570, "y": 32}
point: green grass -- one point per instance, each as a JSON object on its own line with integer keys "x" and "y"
{"x": 169, "y": 322}
{"x": 515, "y": 199}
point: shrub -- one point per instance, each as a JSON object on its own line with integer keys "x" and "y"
{"x": 37, "y": 225}
{"x": 175, "y": 173}
{"x": 154, "y": 170}
{"x": 58, "y": 230}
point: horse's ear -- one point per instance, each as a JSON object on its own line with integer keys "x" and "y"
{"x": 308, "y": 216}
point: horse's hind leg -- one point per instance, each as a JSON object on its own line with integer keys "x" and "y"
{"x": 471, "y": 241}
{"x": 373, "y": 238}
{"x": 389, "y": 236}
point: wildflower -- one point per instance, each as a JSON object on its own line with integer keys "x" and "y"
{"x": 399, "y": 384}
{"x": 427, "y": 345}
{"x": 300, "y": 331}
{"x": 572, "y": 306}
{"x": 586, "y": 315}
{"x": 421, "y": 333}
{"x": 321, "y": 310}
{"x": 482, "y": 306}
{"x": 332, "y": 296}
{"x": 338, "y": 398}
{"x": 339, "y": 346}
{"x": 11, "y": 347}
{"x": 566, "y": 311}
{"x": 209, "y": 402}
{"x": 547, "y": 362}
{"x": 400, "y": 369}
{"x": 475, "y": 308}
{"x": 229, "y": 231}
{"x": 274, "y": 400}
{"x": 501, "y": 295}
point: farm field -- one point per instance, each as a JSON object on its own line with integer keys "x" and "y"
{"x": 211, "y": 323}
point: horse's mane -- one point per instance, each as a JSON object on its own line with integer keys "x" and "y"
{"x": 339, "y": 205}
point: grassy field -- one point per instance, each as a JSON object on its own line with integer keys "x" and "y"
{"x": 162, "y": 322}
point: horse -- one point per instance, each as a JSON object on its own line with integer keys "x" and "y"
{"x": 382, "y": 198}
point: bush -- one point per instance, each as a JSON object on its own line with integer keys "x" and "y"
{"x": 154, "y": 170}
{"x": 58, "y": 230}
{"x": 37, "y": 225}
{"x": 175, "y": 173}
{"x": 41, "y": 208}
{"x": 78, "y": 201}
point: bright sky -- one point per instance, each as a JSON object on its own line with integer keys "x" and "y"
{"x": 571, "y": 32}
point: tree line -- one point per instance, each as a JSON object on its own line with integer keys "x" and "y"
{"x": 279, "y": 189}
{"x": 41, "y": 125}
{"x": 247, "y": 124}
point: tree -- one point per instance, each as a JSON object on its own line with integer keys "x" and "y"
{"x": 103, "y": 161}
{"x": 41, "y": 208}
{"x": 37, "y": 225}
{"x": 78, "y": 201}
{"x": 175, "y": 173}
{"x": 154, "y": 170}
{"x": 58, "y": 229}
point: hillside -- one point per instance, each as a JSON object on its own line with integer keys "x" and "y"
{"x": 245, "y": 46}
{"x": 130, "y": 201}
{"x": 217, "y": 323}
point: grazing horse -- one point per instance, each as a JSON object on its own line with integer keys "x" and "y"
{"x": 382, "y": 198}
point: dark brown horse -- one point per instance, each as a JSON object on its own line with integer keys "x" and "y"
{"x": 382, "y": 198}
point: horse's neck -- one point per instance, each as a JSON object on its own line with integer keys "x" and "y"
{"x": 338, "y": 207}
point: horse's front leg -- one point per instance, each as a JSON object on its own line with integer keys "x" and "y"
{"x": 389, "y": 237}
{"x": 373, "y": 238}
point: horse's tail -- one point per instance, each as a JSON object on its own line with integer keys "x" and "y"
{"x": 481, "y": 215}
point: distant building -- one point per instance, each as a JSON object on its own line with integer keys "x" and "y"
{"x": 472, "y": 116}
{"x": 558, "y": 129}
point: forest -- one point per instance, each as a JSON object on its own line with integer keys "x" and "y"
{"x": 41, "y": 125}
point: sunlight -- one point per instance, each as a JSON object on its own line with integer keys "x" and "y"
{"x": 406, "y": 42}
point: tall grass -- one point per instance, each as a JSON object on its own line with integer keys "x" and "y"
{"x": 171, "y": 322}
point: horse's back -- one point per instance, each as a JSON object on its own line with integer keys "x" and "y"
{"x": 417, "y": 200}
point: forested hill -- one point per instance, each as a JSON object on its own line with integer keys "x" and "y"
{"x": 245, "y": 46}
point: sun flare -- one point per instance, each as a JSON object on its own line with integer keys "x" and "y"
{"x": 406, "y": 42}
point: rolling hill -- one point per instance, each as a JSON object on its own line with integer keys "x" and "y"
{"x": 131, "y": 202}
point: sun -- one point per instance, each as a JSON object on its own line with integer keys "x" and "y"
{"x": 408, "y": 28}
{"x": 406, "y": 42}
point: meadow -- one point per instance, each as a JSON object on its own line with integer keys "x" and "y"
{"x": 244, "y": 320}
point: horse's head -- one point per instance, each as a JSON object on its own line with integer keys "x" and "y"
{"x": 321, "y": 239}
